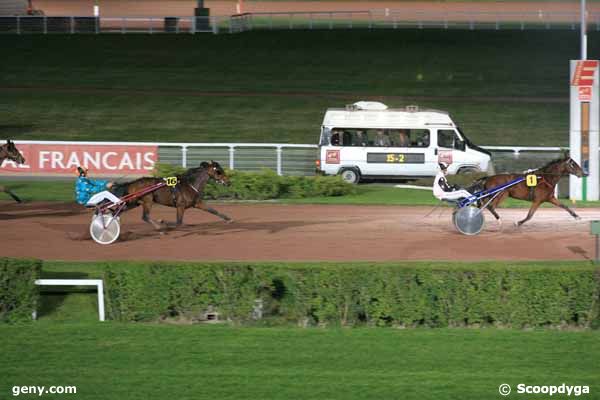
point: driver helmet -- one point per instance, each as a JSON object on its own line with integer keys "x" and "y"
{"x": 82, "y": 171}
{"x": 443, "y": 166}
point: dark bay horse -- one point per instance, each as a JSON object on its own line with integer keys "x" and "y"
{"x": 186, "y": 194}
{"x": 9, "y": 151}
{"x": 548, "y": 177}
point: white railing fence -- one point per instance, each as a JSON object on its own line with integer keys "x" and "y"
{"x": 301, "y": 20}
{"x": 285, "y": 159}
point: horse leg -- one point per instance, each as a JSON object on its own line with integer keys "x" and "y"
{"x": 532, "y": 210}
{"x": 10, "y": 193}
{"x": 147, "y": 207}
{"x": 201, "y": 206}
{"x": 180, "y": 211}
{"x": 179, "y": 221}
{"x": 557, "y": 203}
{"x": 494, "y": 203}
{"x": 494, "y": 213}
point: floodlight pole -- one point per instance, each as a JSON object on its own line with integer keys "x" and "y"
{"x": 583, "y": 31}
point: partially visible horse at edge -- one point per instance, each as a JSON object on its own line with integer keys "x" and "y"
{"x": 9, "y": 151}
{"x": 186, "y": 194}
{"x": 548, "y": 177}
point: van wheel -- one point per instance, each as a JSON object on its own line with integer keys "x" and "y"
{"x": 350, "y": 175}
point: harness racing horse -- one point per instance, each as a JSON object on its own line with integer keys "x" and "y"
{"x": 9, "y": 151}
{"x": 186, "y": 194}
{"x": 548, "y": 177}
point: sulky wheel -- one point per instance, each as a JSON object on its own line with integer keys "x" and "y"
{"x": 468, "y": 220}
{"x": 105, "y": 228}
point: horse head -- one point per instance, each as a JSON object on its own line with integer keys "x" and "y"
{"x": 10, "y": 151}
{"x": 573, "y": 168}
{"x": 563, "y": 166}
{"x": 216, "y": 172}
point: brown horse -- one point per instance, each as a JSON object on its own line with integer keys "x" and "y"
{"x": 9, "y": 151}
{"x": 186, "y": 194}
{"x": 547, "y": 178}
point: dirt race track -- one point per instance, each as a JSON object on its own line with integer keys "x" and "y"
{"x": 59, "y": 231}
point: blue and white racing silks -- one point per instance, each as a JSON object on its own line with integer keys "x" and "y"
{"x": 85, "y": 188}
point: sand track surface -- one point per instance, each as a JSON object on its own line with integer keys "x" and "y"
{"x": 295, "y": 232}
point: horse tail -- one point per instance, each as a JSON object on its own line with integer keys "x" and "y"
{"x": 478, "y": 185}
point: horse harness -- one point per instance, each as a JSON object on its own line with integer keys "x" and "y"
{"x": 533, "y": 183}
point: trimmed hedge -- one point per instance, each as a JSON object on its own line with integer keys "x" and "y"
{"x": 149, "y": 292}
{"x": 402, "y": 295}
{"x": 267, "y": 185}
{"x": 18, "y": 292}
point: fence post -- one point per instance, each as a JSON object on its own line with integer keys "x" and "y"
{"x": 101, "y": 300}
{"x": 370, "y": 20}
{"x": 184, "y": 156}
{"x": 72, "y": 25}
{"x": 310, "y": 21}
{"x": 231, "y": 156}
{"x": 151, "y": 29}
{"x": 279, "y": 152}
{"x": 215, "y": 25}
{"x": 330, "y": 20}
{"x": 45, "y": 25}
{"x": 97, "y": 23}
{"x": 291, "y": 21}
{"x": 18, "y": 25}
{"x": 350, "y": 16}
{"x": 123, "y": 25}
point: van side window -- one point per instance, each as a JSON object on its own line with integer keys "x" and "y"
{"x": 419, "y": 138}
{"x": 446, "y": 138}
{"x": 378, "y": 137}
{"x": 335, "y": 138}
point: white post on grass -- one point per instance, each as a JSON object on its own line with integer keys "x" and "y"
{"x": 78, "y": 282}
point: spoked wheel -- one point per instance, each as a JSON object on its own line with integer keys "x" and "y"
{"x": 468, "y": 220}
{"x": 105, "y": 228}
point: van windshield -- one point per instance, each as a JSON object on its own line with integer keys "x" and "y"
{"x": 376, "y": 137}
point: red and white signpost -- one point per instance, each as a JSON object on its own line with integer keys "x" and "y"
{"x": 584, "y": 137}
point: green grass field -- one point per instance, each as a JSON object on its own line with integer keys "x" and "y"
{"x": 146, "y": 361}
{"x": 113, "y": 360}
{"x": 503, "y": 87}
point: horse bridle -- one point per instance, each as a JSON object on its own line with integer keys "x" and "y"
{"x": 197, "y": 190}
